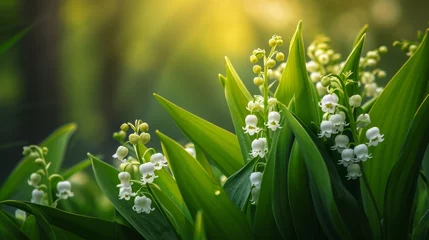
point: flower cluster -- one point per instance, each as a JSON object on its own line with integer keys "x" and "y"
{"x": 368, "y": 72}
{"x": 146, "y": 165}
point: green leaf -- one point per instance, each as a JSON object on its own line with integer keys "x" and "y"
{"x": 421, "y": 201}
{"x": 31, "y": 228}
{"x": 200, "y": 233}
{"x": 8, "y": 229}
{"x": 422, "y": 230}
{"x": 238, "y": 185}
{"x": 360, "y": 34}
{"x": 200, "y": 192}
{"x": 150, "y": 226}
{"x": 237, "y": 97}
{"x": 402, "y": 183}
{"x": 76, "y": 168}
{"x": 9, "y": 43}
{"x": 57, "y": 144}
{"x": 397, "y": 103}
{"x": 295, "y": 82}
{"x": 219, "y": 145}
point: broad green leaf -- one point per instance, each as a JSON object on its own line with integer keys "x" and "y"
{"x": 150, "y": 226}
{"x": 219, "y": 145}
{"x": 425, "y": 163}
{"x": 31, "y": 228}
{"x": 393, "y": 113}
{"x": 402, "y": 183}
{"x": 200, "y": 192}
{"x": 200, "y": 233}
{"x": 199, "y": 155}
{"x": 16, "y": 183}
{"x": 295, "y": 82}
{"x": 8, "y": 229}
{"x": 421, "y": 201}
{"x": 366, "y": 107}
{"x": 9, "y": 43}
{"x": 238, "y": 185}
{"x": 76, "y": 168}
{"x": 422, "y": 230}
{"x": 237, "y": 97}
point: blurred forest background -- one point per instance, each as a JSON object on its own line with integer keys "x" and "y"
{"x": 98, "y": 62}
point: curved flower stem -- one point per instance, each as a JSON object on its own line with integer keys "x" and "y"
{"x": 136, "y": 149}
{"x": 45, "y": 170}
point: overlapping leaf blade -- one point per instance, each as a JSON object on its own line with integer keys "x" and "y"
{"x": 8, "y": 229}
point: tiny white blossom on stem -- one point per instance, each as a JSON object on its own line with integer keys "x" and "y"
{"x": 126, "y": 193}
{"x": 341, "y": 142}
{"x": 339, "y": 121}
{"x": 142, "y": 204}
{"x": 148, "y": 172}
{"x": 158, "y": 161}
{"x": 251, "y": 125}
{"x": 259, "y": 147}
{"x": 312, "y": 66}
{"x": 326, "y": 129}
{"x": 37, "y": 196}
{"x": 374, "y": 136}
{"x": 64, "y": 188}
{"x": 121, "y": 153}
{"x": 347, "y": 157}
{"x": 363, "y": 120}
{"x": 273, "y": 121}
{"x": 361, "y": 152}
{"x": 329, "y": 103}
{"x": 256, "y": 179}
{"x": 353, "y": 171}
{"x": 124, "y": 177}
{"x": 35, "y": 179}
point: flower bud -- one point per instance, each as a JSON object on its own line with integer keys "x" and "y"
{"x": 26, "y": 150}
{"x": 271, "y": 63}
{"x": 371, "y": 62}
{"x": 144, "y": 127}
{"x": 258, "y": 81}
{"x": 355, "y": 101}
{"x": 39, "y": 161}
{"x": 34, "y": 155}
{"x": 382, "y": 49}
{"x": 315, "y": 77}
{"x": 272, "y": 101}
{"x": 326, "y": 81}
{"x": 280, "y": 57}
{"x": 145, "y": 137}
{"x": 124, "y": 127}
{"x": 45, "y": 150}
{"x": 257, "y": 69}
{"x": 253, "y": 59}
{"x": 381, "y": 74}
{"x": 279, "y": 42}
{"x": 323, "y": 59}
{"x": 133, "y": 138}
{"x": 35, "y": 179}
{"x": 272, "y": 42}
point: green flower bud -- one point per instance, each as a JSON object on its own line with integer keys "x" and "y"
{"x": 124, "y": 127}
{"x": 122, "y": 135}
{"x": 45, "y": 150}
{"x": 26, "y": 150}
{"x": 272, "y": 42}
{"x": 134, "y": 138}
{"x": 253, "y": 59}
{"x": 326, "y": 81}
{"x": 40, "y": 161}
{"x": 34, "y": 155}
{"x": 279, "y": 42}
{"x": 144, "y": 127}
{"x": 145, "y": 137}
{"x": 382, "y": 49}
{"x": 257, "y": 69}
{"x": 280, "y": 57}
{"x": 271, "y": 63}
{"x": 258, "y": 81}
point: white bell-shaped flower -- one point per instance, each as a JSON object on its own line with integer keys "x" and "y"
{"x": 341, "y": 142}
{"x": 148, "y": 172}
{"x": 37, "y": 196}
{"x": 64, "y": 188}
{"x": 355, "y": 101}
{"x": 353, "y": 171}
{"x": 158, "y": 161}
{"x": 273, "y": 121}
{"x": 374, "y": 136}
{"x": 251, "y": 125}
{"x": 315, "y": 77}
{"x": 256, "y": 179}
{"x": 191, "y": 150}
{"x": 347, "y": 157}
{"x": 126, "y": 193}
{"x": 312, "y": 66}
{"x": 367, "y": 77}
{"x": 362, "y": 121}
{"x": 125, "y": 178}
{"x": 321, "y": 90}
{"x": 361, "y": 152}
{"x": 339, "y": 121}
{"x": 259, "y": 147}
{"x": 142, "y": 204}
{"x": 255, "y": 196}
{"x": 121, "y": 153}
{"x": 35, "y": 179}
{"x": 371, "y": 89}
{"x": 326, "y": 129}
{"x": 329, "y": 103}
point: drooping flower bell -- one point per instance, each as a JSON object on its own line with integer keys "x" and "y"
{"x": 35, "y": 179}
{"x": 347, "y": 157}
{"x": 37, "y": 196}
{"x": 341, "y": 142}
{"x": 124, "y": 177}
{"x": 142, "y": 204}
{"x": 326, "y": 129}
{"x": 126, "y": 193}
{"x": 355, "y": 101}
{"x": 329, "y": 103}
{"x": 374, "y": 136}
{"x": 339, "y": 121}
{"x": 312, "y": 66}
{"x": 273, "y": 121}
{"x": 353, "y": 171}
{"x": 158, "y": 161}
{"x": 148, "y": 172}
{"x": 361, "y": 152}
{"x": 64, "y": 188}
{"x": 251, "y": 125}
{"x": 259, "y": 147}
{"x": 121, "y": 153}
{"x": 363, "y": 120}
{"x": 321, "y": 90}
{"x": 256, "y": 179}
